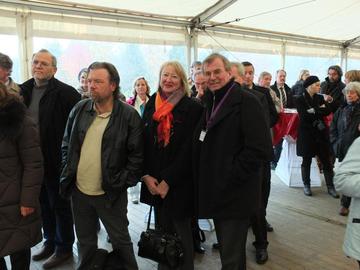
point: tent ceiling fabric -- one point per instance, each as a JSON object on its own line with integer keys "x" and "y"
{"x": 328, "y": 19}
{"x": 175, "y": 8}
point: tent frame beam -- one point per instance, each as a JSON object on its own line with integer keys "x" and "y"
{"x": 211, "y": 12}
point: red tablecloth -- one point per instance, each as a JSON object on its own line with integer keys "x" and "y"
{"x": 287, "y": 125}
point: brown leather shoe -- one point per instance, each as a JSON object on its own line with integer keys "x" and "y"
{"x": 57, "y": 259}
{"x": 343, "y": 211}
{"x": 44, "y": 253}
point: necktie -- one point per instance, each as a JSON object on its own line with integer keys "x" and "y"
{"x": 283, "y": 97}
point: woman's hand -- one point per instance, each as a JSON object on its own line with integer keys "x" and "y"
{"x": 151, "y": 183}
{"x": 163, "y": 189}
{"x": 25, "y": 211}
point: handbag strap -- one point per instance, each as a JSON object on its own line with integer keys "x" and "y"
{"x": 149, "y": 219}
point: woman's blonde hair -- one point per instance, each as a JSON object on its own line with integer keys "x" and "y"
{"x": 302, "y": 73}
{"x": 179, "y": 70}
{"x": 146, "y": 83}
{"x": 353, "y": 75}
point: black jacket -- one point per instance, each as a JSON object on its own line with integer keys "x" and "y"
{"x": 341, "y": 136}
{"x": 289, "y": 96}
{"x": 271, "y": 112}
{"x": 310, "y": 137}
{"x": 334, "y": 89}
{"x": 54, "y": 108}
{"x": 122, "y": 148}
{"x": 226, "y": 163}
{"x": 298, "y": 88}
{"x": 172, "y": 163}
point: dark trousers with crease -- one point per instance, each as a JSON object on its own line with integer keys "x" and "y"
{"x": 87, "y": 211}
{"x": 345, "y": 201}
{"x": 258, "y": 221}
{"x": 232, "y": 235}
{"x": 19, "y": 260}
{"x": 182, "y": 227}
{"x": 57, "y": 219}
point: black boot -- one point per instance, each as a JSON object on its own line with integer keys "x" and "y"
{"x": 305, "y": 174}
{"x": 329, "y": 175}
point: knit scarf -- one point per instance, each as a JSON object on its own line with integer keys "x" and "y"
{"x": 163, "y": 115}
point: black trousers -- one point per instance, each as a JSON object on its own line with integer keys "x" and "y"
{"x": 258, "y": 221}
{"x": 345, "y": 201}
{"x": 324, "y": 153}
{"x": 87, "y": 210}
{"x": 232, "y": 235}
{"x": 19, "y": 260}
{"x": 182, "y": 227}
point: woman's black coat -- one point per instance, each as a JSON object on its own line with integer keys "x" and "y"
{"x": 172, "y": 163}
{"x": 310, "y": 138}
{"x": 341, "y": 136}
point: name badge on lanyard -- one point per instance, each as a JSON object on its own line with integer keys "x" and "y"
{"x": 202, "y": 135}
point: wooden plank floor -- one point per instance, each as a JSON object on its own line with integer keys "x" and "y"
{"x": 308, "y": 234}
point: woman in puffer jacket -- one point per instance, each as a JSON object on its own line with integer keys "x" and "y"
{"x": 347, "y": 181}
{"x": 21, "y": 174}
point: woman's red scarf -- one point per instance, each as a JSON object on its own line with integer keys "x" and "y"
{"x": 163, "y": 115}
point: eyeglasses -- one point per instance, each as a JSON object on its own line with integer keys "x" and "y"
{"x": 41, "y": 63}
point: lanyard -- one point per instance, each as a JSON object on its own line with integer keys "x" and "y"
{"x": 215, "y": 110}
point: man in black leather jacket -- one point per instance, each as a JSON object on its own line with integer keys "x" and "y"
{"x": 102, "y": 155}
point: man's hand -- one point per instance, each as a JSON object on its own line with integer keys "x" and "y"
{"x": 163, "y": 189}
{"x": 25, "y": 211}
{"x": 152, "y": 184}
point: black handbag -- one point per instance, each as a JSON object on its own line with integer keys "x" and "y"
{"x": 160, "y": 246}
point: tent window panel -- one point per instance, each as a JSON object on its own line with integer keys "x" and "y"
{"x": 316, "y": 65}
{"x": 353, "y": 64}
{"x": 9, "y": 45}
{"x": 131, "y": 60}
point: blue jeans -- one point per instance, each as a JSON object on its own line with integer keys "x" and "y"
{"x": 57, "y": 219}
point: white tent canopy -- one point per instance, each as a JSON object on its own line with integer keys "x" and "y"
{"x": 301, "y": 28}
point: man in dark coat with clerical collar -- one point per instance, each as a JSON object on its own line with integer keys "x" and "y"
{"x": 231, "y": 142}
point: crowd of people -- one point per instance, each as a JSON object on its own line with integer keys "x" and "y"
{"x": 198, "y": 147}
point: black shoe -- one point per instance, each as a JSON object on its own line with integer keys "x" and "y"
{"x": 332, "y": 192}
{"x": 307, "y": 190}
{"x": 269, "y": 228}
{"x": 44, "y": 253}
{"x": 261, "y": 256}
{"x": 216, "y": 246}
{"x": 198, "y": 248}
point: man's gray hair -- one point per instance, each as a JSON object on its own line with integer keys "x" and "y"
{"x": 352, "y": 86}
{"x": 239, "y": 67}
{"x": 5, "y": 62}
{"x": 53, "y": 58}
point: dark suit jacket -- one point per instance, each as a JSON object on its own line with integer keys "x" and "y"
{"x": 289, "y": 96}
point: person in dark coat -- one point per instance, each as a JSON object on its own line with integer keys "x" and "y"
{"x": 344, "y": 130}
{"x": 49, "y": 102}
{"x": 332, "y": 87}
{"x": 313, "y": 137}
{"x": 283, "y": 92}
{"x": 21, "y": 172}
{"x": 170, "y": 118}
{"x": 259, "y": 224}
{"x": 298, "y": 88}
{"x": 231, "y": 142}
